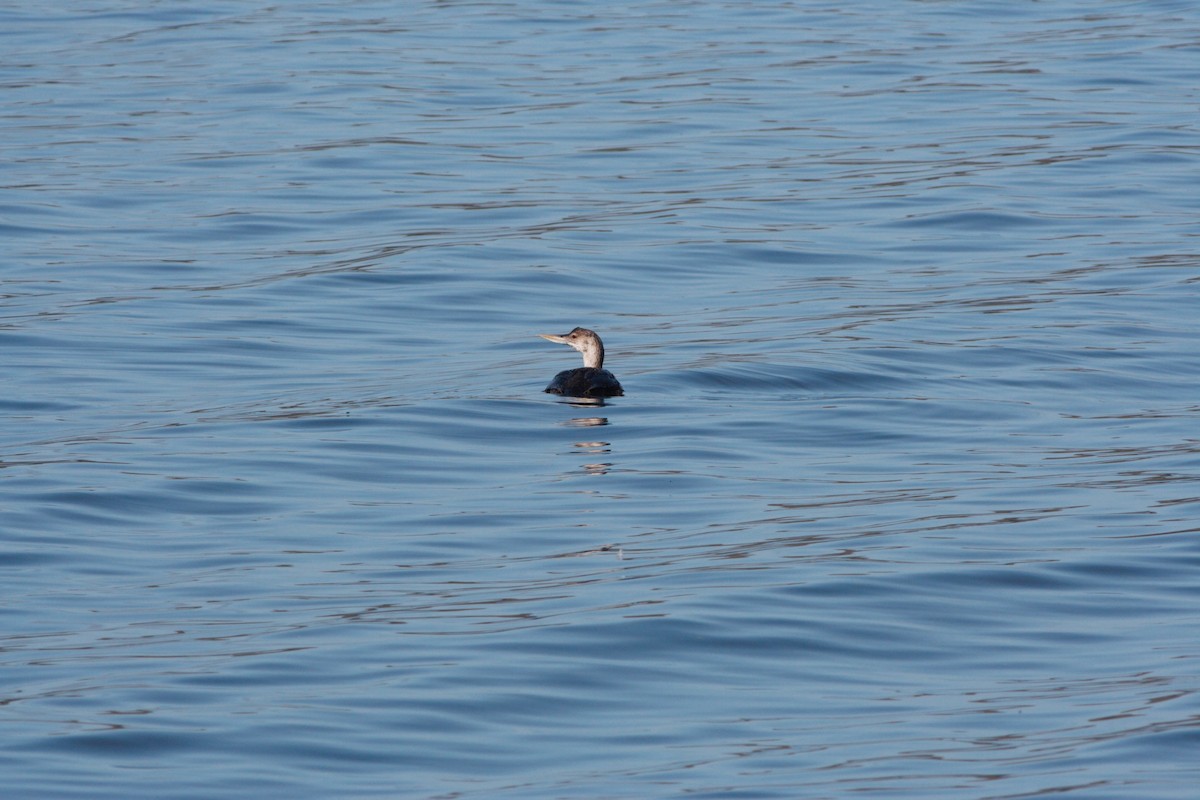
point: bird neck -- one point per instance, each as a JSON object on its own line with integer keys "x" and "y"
{"x": 593, "y": 356}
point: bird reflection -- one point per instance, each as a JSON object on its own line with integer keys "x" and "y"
{"x": 586, "y": 422}
{"x": 593, "y": 447}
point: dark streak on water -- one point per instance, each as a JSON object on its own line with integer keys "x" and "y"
{"x": 901, "y": 501}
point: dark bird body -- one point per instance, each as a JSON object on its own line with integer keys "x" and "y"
{"x": 590, "y": 380}
{"x": 585, "y": 382}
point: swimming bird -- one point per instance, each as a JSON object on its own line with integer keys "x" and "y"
{"x": 590, "y": 380}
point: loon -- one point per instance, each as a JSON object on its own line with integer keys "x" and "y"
{"x": 590, "y": 380}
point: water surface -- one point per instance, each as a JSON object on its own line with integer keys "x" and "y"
{"x": 901, "y": 499}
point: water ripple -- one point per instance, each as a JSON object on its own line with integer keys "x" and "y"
{"x": 899, "y": 498}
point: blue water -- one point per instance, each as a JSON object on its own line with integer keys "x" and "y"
{"x": 903, "y": 499}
